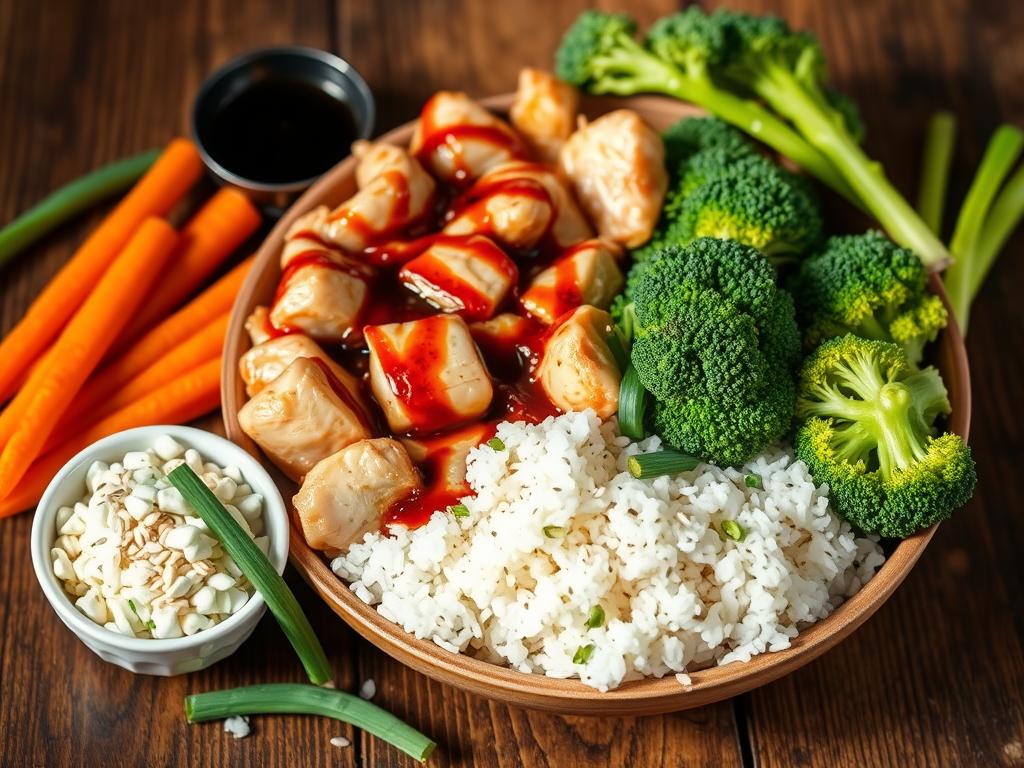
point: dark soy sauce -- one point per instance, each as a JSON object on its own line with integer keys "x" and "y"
{"x": 278, "y": 131}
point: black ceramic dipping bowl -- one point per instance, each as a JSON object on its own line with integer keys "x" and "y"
{"x": 272, "y": 121}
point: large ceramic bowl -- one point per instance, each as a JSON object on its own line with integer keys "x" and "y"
{"x": 535, "y": 691}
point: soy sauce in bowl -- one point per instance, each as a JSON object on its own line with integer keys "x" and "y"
{"x": 273, "y": 121}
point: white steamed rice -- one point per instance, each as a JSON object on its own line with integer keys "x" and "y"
{"x": 676, "y": 594}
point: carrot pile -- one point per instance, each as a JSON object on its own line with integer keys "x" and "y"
{"x": 102, "y": 348}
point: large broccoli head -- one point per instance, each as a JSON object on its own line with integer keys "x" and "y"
{"x": 715, "y": 344}
{"x": 869, "y": 433}
{"x": 869, "y": 286}
{"x": 687, "y": 137}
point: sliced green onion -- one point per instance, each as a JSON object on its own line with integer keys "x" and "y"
{"x": 733, "y": 530}
{"x": 298, "y": 699}
{"x": 618, "y": 349}
{"x": 583, "y": 654}
{"x": 645, "y": 465}
{"x": 596, "y": 617}
{"x": 131, "y": 604}
{"x": 752, "y": 481}
{"x": 71, "y": 199}
{"x": 627, "y": 323}
{"x": 258, "y": 570}
{"x": 459, "y": 510}
{"x": 554, "y": 531}
{"x": 938, "y": 156}
{"x": 151, "y": 624}
{"x": 496, "y": 444}
{"x": 632, "y": 405}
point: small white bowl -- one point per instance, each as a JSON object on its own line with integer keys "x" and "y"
{"x": 152, "y": 656}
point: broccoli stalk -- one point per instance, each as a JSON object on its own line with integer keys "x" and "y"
{"x": 938, "y": 155}
{"x": 786, "y": 70}
{"x": 600, "y": 53}
{"x": 869, "y": 433}
{"x": 985, "y": 220}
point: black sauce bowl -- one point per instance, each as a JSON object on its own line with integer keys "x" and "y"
{"x": 325, "y": 71}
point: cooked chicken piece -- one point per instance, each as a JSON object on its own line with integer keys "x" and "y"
{"x": 578, "y": 369}
{"x": 258, "y": 326}
{"x": 323, "y": 299}
{"x": 266, "y": 361}
{"x": 345, "y": 495}
{"x": 616, "y": 165}
{"x": 394, "y": 192}
{"x": 303, "y": 416}
{"x": 544, "y": 111}
{"x": 458, "y": 140}
{"x": 308, "y": 246}
{"x": 518, "y": 203}
{"x": 427, "y": 374}
{"x": 445, "y": 456}
{"x": 469, "y": 276}
{"x": 506, "y": 341}
{"x": 587, "y": 274}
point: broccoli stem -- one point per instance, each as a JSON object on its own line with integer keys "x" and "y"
{"x": 901, "y": 437}
{"x": 938, "y": 155}
{"x": 1003, "y": 150}
{"x": 787, "y": 96}
{"x": 1006, "y": 213}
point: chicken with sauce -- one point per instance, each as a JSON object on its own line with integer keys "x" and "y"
{"x": 616, "y": 165}
{"x": 322, "y": 298}
{"x": 347, "y": 494}
{"x": 303, "y": 416}
{"x": 267, "y": 360}
{"x": 587, "y": 274}
{"x": 544, "y": 112}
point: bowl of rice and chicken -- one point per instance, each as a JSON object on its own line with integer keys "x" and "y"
{"x": 424, "y": 358}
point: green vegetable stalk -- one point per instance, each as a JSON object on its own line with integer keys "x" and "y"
{"x": 938, "y": 156}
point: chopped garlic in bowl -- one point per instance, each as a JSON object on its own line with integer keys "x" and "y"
{"x": 136, "y": 559}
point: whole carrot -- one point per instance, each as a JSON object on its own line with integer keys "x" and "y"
{"x": 83, "y": 342}
{"x": 156, "y": 193}
{"x": 213, "y": 234}
{"x": 182, "y": 400}
{"x": 199, "y": 348}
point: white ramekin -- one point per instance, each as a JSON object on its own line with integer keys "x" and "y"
{"x": 151, "y": 656}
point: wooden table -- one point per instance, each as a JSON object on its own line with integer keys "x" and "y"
{"x": 935, "y": 678}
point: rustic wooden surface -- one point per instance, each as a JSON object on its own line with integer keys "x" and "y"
{"x": 936, "y": 678}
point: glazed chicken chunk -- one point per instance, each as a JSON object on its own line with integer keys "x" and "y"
{"x": 544, "y": 112}
{"x": 323, "y": 299}
{"x": 258, "y": 326}
{"x": 458, "y": 140}
{"x": 616, "y": 165}
{"x": 427, "y": 374}
{"x": 446, "y": 456}
{"x": 394, "y": 191}
{"x": 347, "y": 494}
{"x": 587, "y": 274}
{"x": 469, "y": 276}
{"x": 268, "y": 359}
{"x": 303, "y": 416}
{"x": 519, "y": 202}
{"x": 578, "y": 369}
{"x": 308, "y": 246}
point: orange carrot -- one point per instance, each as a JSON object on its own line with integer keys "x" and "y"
{"x": 213, "y": 234}
{"x": 89, "y": 407}
{"x": 155, "y": 194}
{"x": 186, "y": 322}
{"x": 83, "y": 342}
{"x": 186, "y": 398}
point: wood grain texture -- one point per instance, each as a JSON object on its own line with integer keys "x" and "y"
{"x": 934, "y": 679}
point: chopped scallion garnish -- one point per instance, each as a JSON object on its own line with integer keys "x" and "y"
{"x": 297, "y": 699}
{"x": 632, "y": 405}
{"x": 459, "y": 510}
{"x": 583, "y": 654}
{"x": 752, "y": 481}
{"x": 596, "y": 617}
{"x": 151, "y": 624}
{"x": 131, "y": 604}
{"x": 554, "y": 531}
{"x": 618, "y": 349}
{"x": 258, "y": 570}
{"x": 645, "y": 465}
{"x": 733, "y": 530}
{"x": 496, "y": 444}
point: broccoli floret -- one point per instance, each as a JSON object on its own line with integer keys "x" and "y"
{"x": 763, "y": 57}
{"x": 715, "y": 343}
{"x": 691, "y": 135}
{"x": 869, "y": 434}
{"x": 867, "y": 285}
{"x": 752, "y": 201}
{"x": 600, "y": 54}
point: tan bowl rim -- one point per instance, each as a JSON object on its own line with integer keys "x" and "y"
{"x": 645, "y": 696}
